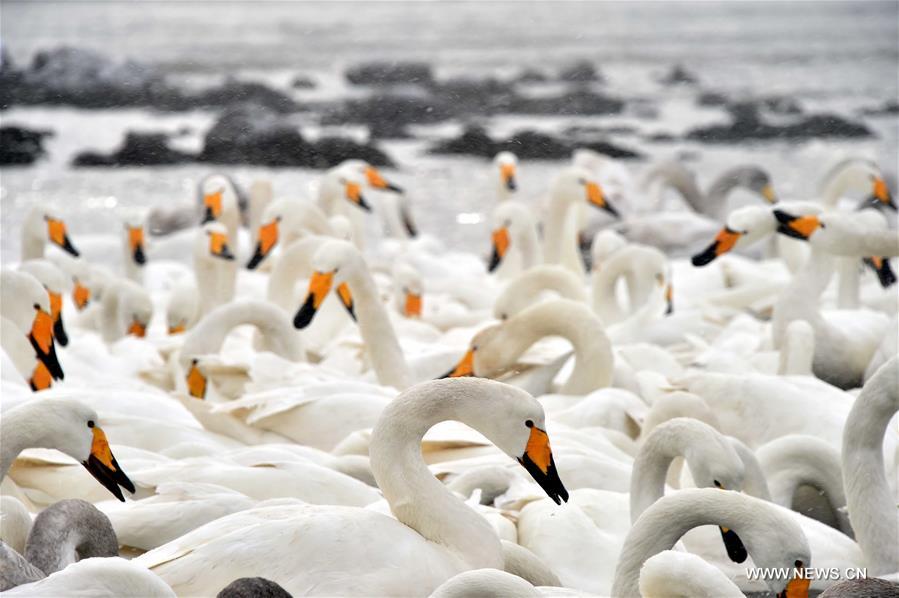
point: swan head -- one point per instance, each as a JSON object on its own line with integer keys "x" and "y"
{"x": 135, "y": 307}
{"x": 747, "y": 225}
{"x": 346, "y": 181}
{"x": 505, "y": 166}
{"x": 218, "y": 197}
{"x": 27, "y": 306}
{"x": 212, "y": 242}
{"x": 41, "y": 223}
{"x": 333, "y": 264}
{"x": 511, "y": 221}
{"x": 371, "y": 175}
{"x": 135, "y": 243}
{"x": 865, "y": 176}
{"x": 56, "y": 283}
{"x": 577, "y": 184}
{"x": 484, "y": 356}
{"x": 408, "y": 290}
{"x": 77, "y": 433}
{"x": 753, "y": 178}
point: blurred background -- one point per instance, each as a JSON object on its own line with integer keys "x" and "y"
{"x": 128, "y": 104}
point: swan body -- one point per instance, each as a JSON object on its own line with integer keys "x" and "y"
{"x": 100, "y": 577}
{"x": 680, "y": 574}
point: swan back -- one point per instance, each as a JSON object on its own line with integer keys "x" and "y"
{"x": 674, "y": 574}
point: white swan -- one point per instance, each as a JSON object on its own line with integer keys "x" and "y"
{"x": 97, "y": 577}
{"x": 514, "y": 232}
{"x": 67, "y": 426}
{"x": 25, "y": 308}
{"x": 283, "y": 222}
{"x": 54, "y": 280}
{"x": 436, "y": 536}
{"x": 504, "y": 174}
{"x": 498, "y": 347}
{"x": 772, "y": 538}
{"x": 854, "y": 174}
{"x": 673, "y": 574}
{"x": 537, "y": 283}
{"x": 220, "y": 203}
{"x": 126, "y": 308}
{"x": 641, "y": 267}
{"x": 40, "y": 227}
{"x": 571, "y": 189}
{"x": 872, "y": 507}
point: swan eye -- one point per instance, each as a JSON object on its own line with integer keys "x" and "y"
{"x": 90, "y": 423}
{"x": 799, "y": 564}
{"x": 529, "y": 423}
{"x": 37, "y": 306}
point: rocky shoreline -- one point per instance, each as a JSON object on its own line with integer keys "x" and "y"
{"x": 255, "y": 124}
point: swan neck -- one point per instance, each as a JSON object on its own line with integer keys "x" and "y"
{"x": 651, "y": 465}
{"x": 416, "y": 497}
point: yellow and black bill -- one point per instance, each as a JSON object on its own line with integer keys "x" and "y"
{"x": 103, "y": 466}
{"x": 538, "y": 460}
{"x": 319, "y": 286}
{"x": 81, "y": 295}
{"x": 669, "y": 299}
{"x": 412, "y": 305}
{"x": 501, "y": 242}
{"x": 880, "y": 194}
{"x": 724, "y": 242}
{"x": 408, "y": 222}
{"x": 212, "y": 205}
{"x": 41, "y": 338}
{"x": 507, "y": 174}
{"x": 798, "y": 227}
{"x": 218, "y": 246}
{"x": 136, "y": 243}
{"x": 196, "y": 381}
{"x": 59, "y": 329}
{"x": 376, "y": 180}
{"x": 465, "y": 367}
{"x": 353, "y": 192}
{"x": 881, "y": 267}
{"x": 56, "y": 232}
{"x": 769, "y": 194}
{"x": 798, "y": 586}
{"x": 346, "y": 298}
{"x": 596, "y": 197}
{"x": 267, "y": 239}
{"x": 41, "y": 379}
{"x": 137, "y": 328}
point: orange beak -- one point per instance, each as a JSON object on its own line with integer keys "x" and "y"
{"x": 798, "y": 227}
{"x": 412, "y": 309}
{"x": 724, "y": 242}
{"x": 102, "y": 465}
{"x": 41, "y": 338}
{"x": 213, "y": 204}
{"x": 465, "y": 367}
{"x": 178, "y": 329}
{"x": 40, "y": 377}
{"x": 354, "y": 194}
{"x": 267, "y": 239}
{"x": 196, "y": 381}
{"x": 343, "y": 291}
{"x": 218, "y": 246}
{"x": 59, "y": 330}
{"x": 538, "y": 460}
{"x": 137, "y": 329}
{"x": 507, "y": 174}
{"x": 596, "y": 197}
{"x": 81, "y": 295}
{"x": 319, "y": 287}
{"x": 56, "y": 232}
{"x": 136, "y": 242}
{"x": 500, "y": 246}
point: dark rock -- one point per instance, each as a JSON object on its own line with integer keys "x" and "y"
{"x": 525, "y": 144}
{"x": 582, "y": 71}
{"x": 889, "y": 107}
{"x": 678, "y": 75}
{"x": 784, "y": 105}
{"x": 578, "y": 102}
{"x": 302, "y": 82}
{"x": 746, "y": 124}
{"x": 138, "y": 149}
{"x": 233, "y": 92}
{"x": 712, "y": 98}
{"x": 390, "y": 73}
{"x": 466, "y": 96}
{"x": 21, "y": 146}
{"x": 661, "y": 137}
{"x": 531, "y": 76}
{"x": 257, "y": 135}
{"x": 386, "y": 112}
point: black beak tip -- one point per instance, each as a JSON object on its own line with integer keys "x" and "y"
{"x": 226, "y": 254}
{"x": 611, "y": 210}
{"x": 305, "y": 314}
{"x": 511, "y": 185}
{"x": 67, "y": 245}
{"x": 495, "y": 260}
{"x": 59, "y": 332}
{"x": 364, "y": 204}
{"x": 786, "y": 230}
{"x": 704, "y": 258}
{"x": 139, "y": 256}
{"x": 736, "y": 551}
{"x": 783, "y": 217}
{"x": 394, "y": 188}
{"x": 255, "y": 260}
{"x": 208, "y": 216}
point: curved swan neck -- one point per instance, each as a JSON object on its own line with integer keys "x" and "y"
{"x": 799, "y": 301}
{"x": 68, "y": 531}
{"x": 416, "y": 497}
{"x": 872, "y": 510}
{"x": 529, "y": 244}
{"x": 20, "y": 429}
{"x": 571, "y": 320}
{"x": 273, "y": 323}
{"x": 377, "y": 332}
{"x": 294, "y": 263}
{"x": 605, "y": 281}
{"x": 560, "y": 244}
{"x": 797, "y": 350}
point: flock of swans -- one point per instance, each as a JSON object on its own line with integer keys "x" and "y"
{"x": 282, "y": 396}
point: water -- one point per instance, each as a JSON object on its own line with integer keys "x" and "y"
{"x": 839, "y": 56}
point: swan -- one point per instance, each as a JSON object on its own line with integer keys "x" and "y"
{"x": 533, "y": 284}
{"x": 98, "y": 577}
{"x": 284, "y": 221}
{"x": 796, "y": 460}
{"x": 572, "y": 187}
{"x": 333, "y": 550}
{"x": 126, "y": 309}
{"x": 713, "y": 203}
{"x": 339, "y": 264}
{"x": 673, "y": 574}
{"x": 408, "y": 290}
{"x": 40, "y": 227}
{"x": 514, "y": 230}
{"x": 504, "y": 173}
{"x": 26, "y": 309}
{"x": 67, "y": 426}
{"x": 499, "y": 346}
{"x": 772, "y": 538}
{"x": 854, "y": 174}
{"x": 208, "y": 336}
{"x": 641, "y": 267}
{"x": 215, "y": 275}
{"x": 872, "y": 507}
{"x": 80, "y": 274}
{"x": 54, "y": 280}
{"x": 130, "y": 243}
{"x": 220, "y": 203}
